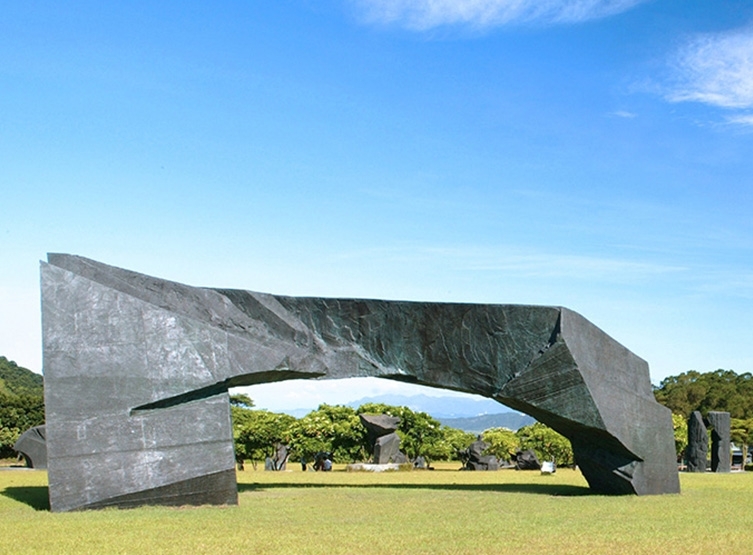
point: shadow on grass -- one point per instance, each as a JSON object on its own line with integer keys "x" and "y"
{"x": 36, "y": 497}
{"x": 557, "y": 490}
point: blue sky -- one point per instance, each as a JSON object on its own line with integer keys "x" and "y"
{"x": 595, "y": 154}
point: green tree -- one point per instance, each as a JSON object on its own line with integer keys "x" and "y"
{"x": 18, "y": 413}
{"x": 334, "y": 429}
{"x": 680, "y": 427}
{"x": 241, "y": 400}
{"x": 546, "y": 443}
{"x": 741, "y": 433}
{"x": 258, "y": 432}
{"x": 21, "y": 403}
{"x": 503, "y": 443}
{"x": 452, "y": 443}
{"x": 16, "y": 380}
{"x": 722, "y": 390}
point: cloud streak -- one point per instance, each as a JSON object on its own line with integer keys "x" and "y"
{"x": 427, "y": 14}
{"x": 716, "y": 70}
{"x": 511, "y": 261}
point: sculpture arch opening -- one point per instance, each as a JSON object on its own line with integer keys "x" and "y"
{"x": 130, "y": 361}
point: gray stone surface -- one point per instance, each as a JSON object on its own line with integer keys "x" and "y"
{"x": 696, "y": 452}
{"x": 720, "y": 424}
{"x": 280, "y": 460}
{"x": 474, "y": 458}
{"x": 387, "y": 450}
{"x": 33, "y": 446}
{"x": 137, "y": 371}
{"x": 527, "y": 460}
{"x": 381, "y": 434}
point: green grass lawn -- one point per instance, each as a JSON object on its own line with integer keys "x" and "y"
{"x": 438, "y": 512}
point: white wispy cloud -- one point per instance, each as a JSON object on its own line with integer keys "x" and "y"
{"x": 624, "y": 114}
{"x": 517, "y": 262}
{"x": 427, "y": 14}
{"x": 741, "y": 119}
{"x": 717, "y": 70}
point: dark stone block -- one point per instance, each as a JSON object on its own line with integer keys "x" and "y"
{"x": 721, "y": 447}
{"x": 33, "y": 446}
{"x": 475, "y": 459}
{"x": 137, "y": 371}
{"x": 381, "y": 434}
{"x": 527, "y": 460}
{"x": 696, "y": 452}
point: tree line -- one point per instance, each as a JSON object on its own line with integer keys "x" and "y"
{"x": 21, "y": 403}
{"x": 720, "y": 390}
{"x": 336, "y": 429}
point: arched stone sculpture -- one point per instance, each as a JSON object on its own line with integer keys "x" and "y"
{"x": 137, "y": 371}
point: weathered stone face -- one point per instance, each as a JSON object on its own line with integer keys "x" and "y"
{"x": 33, "y": 446}
{"x": 720, "y": 423}
{"x": 698, "y": 443}
{"x": 137, "y": 371}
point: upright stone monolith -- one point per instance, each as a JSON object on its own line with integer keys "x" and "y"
{"x": 721, "y": 444}
{"x": 698, "y": 443}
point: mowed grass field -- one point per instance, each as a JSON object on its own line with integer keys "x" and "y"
{"x": 419, "y": 512}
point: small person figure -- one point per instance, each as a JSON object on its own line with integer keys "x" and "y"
{"x": 303, "y": 464}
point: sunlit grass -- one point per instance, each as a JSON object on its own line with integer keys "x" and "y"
{"x": 438, "y": 512}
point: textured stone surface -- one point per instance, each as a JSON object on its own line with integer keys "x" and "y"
{"x": 720, "y": 425}
{"x": 476, "y": 460}
{"x": 527, "y": 460}
{"x": 381, "y": 434}
{"x": 32, "y": 445}
{"x": 378, "y": 425}
{"x": 137, "y": 370}
{"x": 387, "y": 450}
{"x": 382, "y": 437}
{"x": 696, "y": 452}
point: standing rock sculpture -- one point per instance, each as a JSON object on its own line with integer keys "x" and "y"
{"x": 696, "y": 452}
{"x": 381, "y": 429}
{"x": 137, "y": 371}
{"x": 720, "y": 424}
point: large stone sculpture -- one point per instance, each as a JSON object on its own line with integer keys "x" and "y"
{"x": 382, "y": 433}
{"x": 698, "y": 443}
{"x": 720, "y": 424}
{"x": 137, "y": 371}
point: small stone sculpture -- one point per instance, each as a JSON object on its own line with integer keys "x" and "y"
{"x": 280, "y": 460}
{"x": 386, "y": 443}
{"x": 33, "y": 446}
{"x": 696, "y": 452}
{"x": 527, "y": 460}
{"x": 476, "y": 460}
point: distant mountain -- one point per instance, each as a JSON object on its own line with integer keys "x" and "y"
{"x": 439, "y": 407}
{"x": 16, "y": 380}
{"x": 477, "y": 424}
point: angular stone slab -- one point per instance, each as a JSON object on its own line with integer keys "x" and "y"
{"x": 33, "y": 446}
{"x": 137, "y": 371}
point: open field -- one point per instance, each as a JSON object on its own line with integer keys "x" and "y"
{"x": 438, "y": 512}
